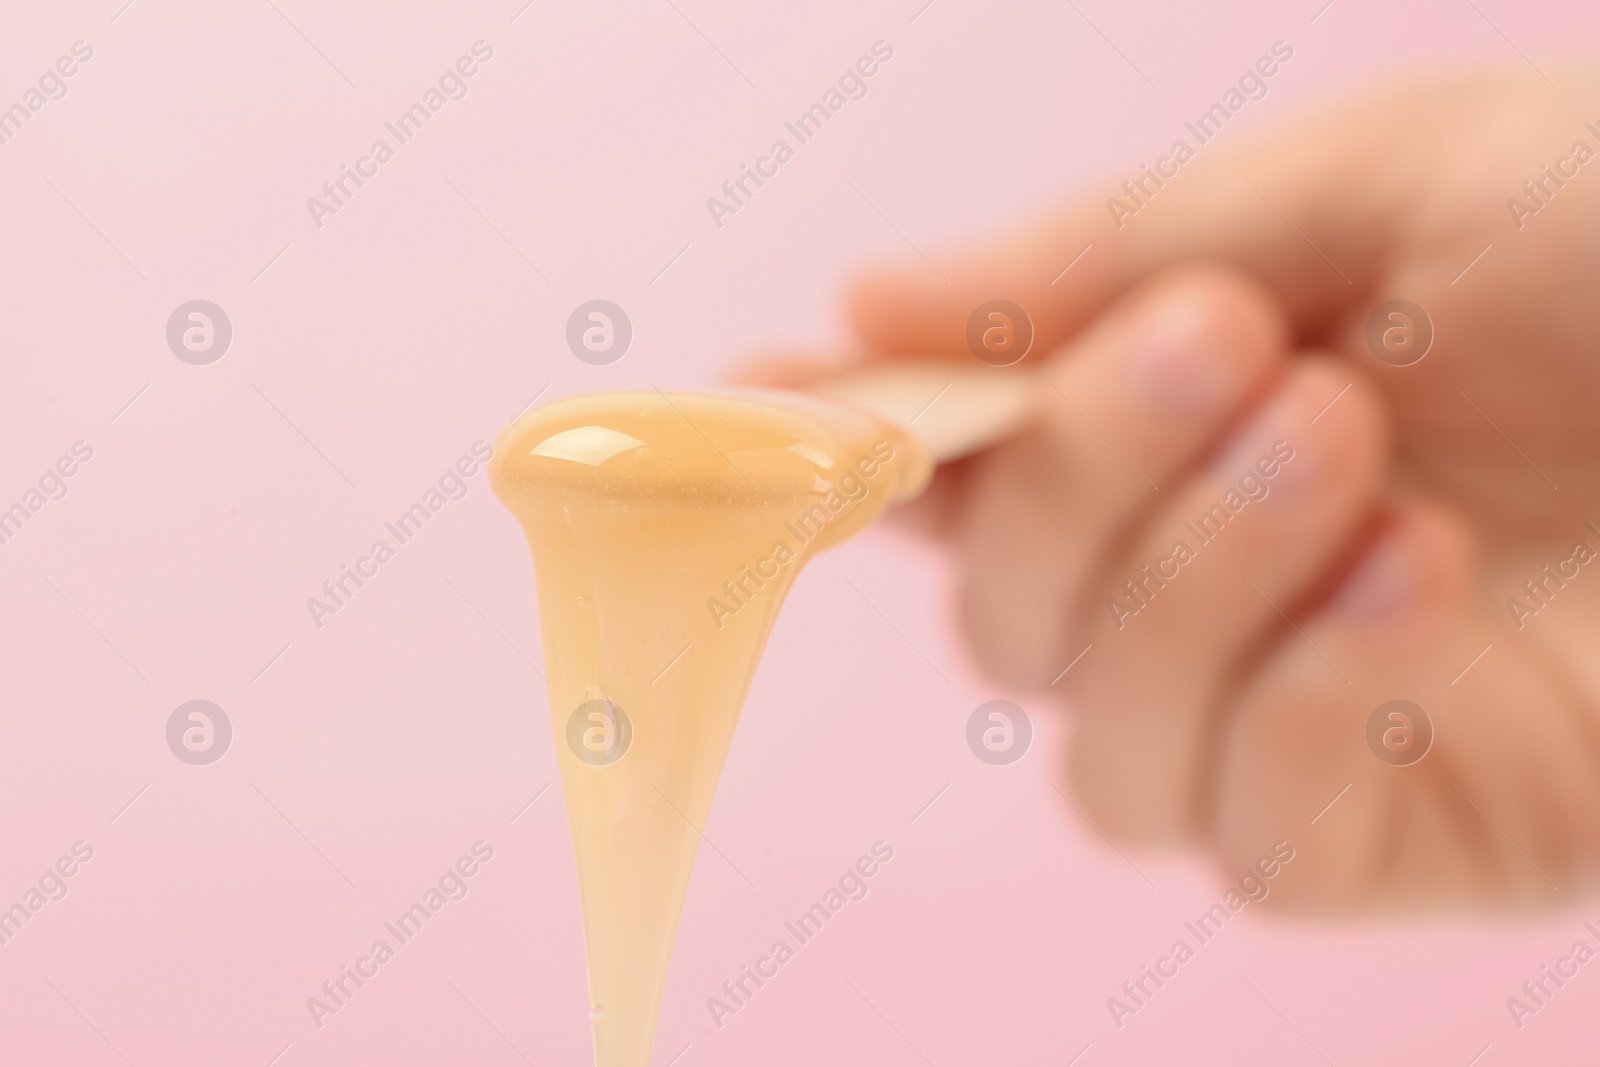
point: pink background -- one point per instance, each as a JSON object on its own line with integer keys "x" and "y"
{"x": 376, "y": 750}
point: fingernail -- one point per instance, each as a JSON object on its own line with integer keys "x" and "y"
{"x": 1380, "y": 586}
{"x": 1170, "y": 361}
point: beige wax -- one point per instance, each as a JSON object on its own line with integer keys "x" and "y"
{"x": 666, "y": 530}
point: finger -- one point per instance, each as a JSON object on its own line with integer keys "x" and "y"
{"x": 1495, "y": 810}
{"x": 1297, "y": 742}
{"x": 1130, "y": 406}
{"x": 937, "y": 513}
{"x": 1210, "y": 582}
{"x": 782, "y": 369}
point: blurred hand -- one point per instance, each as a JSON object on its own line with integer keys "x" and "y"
{"x": 1227, "y": 700}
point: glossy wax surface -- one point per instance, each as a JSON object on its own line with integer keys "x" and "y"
{"x": 666, "y": 530}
